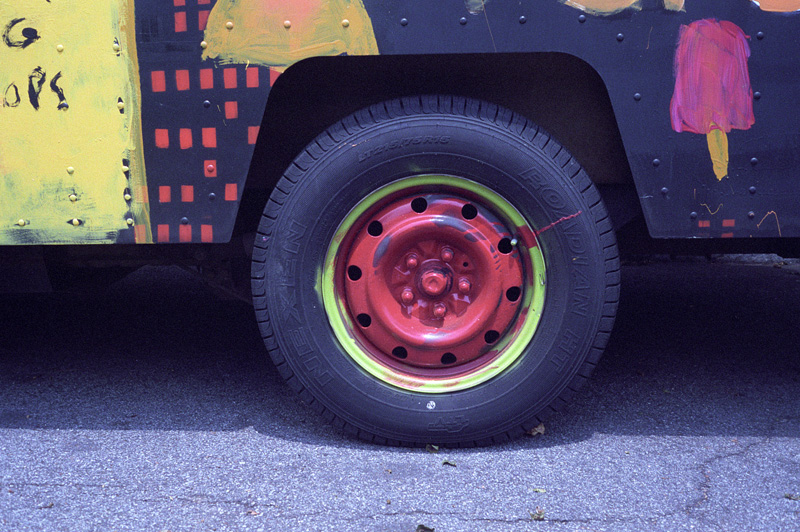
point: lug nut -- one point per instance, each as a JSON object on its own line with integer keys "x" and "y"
{"x": 407, "y": 296}
{"x": 447, "y": 254}
{"x": 412, "y": 261}
{"x": 439, "y": 310}
{"x": 464, "y": 286}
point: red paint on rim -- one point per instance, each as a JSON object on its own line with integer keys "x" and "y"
{"x": 434, "y": 284}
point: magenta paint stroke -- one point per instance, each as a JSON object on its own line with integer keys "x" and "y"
{"x": 712, "y": 83}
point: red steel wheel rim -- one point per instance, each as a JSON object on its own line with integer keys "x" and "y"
{"x": 431, "y": 282}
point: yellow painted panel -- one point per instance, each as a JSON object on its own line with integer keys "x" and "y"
{"x": 66, "y": 72}
{"x": 277, "y": 33}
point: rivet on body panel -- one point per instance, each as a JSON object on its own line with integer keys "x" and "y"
{"x": 757, "y": 95}
{"x": 523, "y": 19}
{"x": 751, "y": 215}
{"x": 125, "y": 169}
{"x": 212, "y": 197}
{"x": 70, "y": 170}
{"x": 76, "y": 222}
{"x": 129, "y": 221}
{"x": 620, "y": 37}
{"x": 345, "y": 23}
{"x": 210, "y": 168}
{"x": 656, "y": 162}
{"x": 752, "y": 190}
{"x": 120, "y": 105}
{"x": 754, "y": 161}
{"x": 60, "y": 48}
{"x": 184, "y": 220}
{"x": 127, "y": 197}
{"x": 21, "y": 222}
{"x": 404, "y": 22}
{"x": 206, "y": 104}
{"x": 637, "y": 96}
{"x": 229, "y": 24}
{"x": 116, "y": 47}
{"x": 287, "y": 24}
{"x": 581, "y": 18}
{"x": 462, "y": 20}
{"x": 665, "y": 191}
{"x": 73, "y": 197}
{"x": 693, "y": 215}
{"x": 760, "y": 35}
{"x": 203, "y": 45}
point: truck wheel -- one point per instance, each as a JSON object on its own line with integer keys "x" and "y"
{"x": 435, "y": 270}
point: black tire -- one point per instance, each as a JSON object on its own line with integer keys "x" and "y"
{"x": 452, "y": 136}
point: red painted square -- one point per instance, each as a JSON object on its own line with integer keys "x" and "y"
{"x": 162, "y": 138}
{"x": 231, "y": 192}
{"x": 203, "y": 2}
{"x": 185, "y": 233}
{"x": 273, "y": 76}
{"x": 186, "y": 138}
{"x": 180, "y": 21}
{"x": 139, "y": 234}
{"x": 163, "y": 233}
{"x": 726, "y": 235}
{"x": 206, "y": 78}
{"x": 210, "y": 137}
{"x": 252, "y": 134}
{"x": 210, "y": 168}
{"x": 179, "y": 3}
{"x": 158, "y": 81}
{"x": 164, "y": 194}
{"x": 252, "y": 77}
{"x": 202, "y": 19}
{"x": 142, "y": 194}
{"x": 182, "y": 80}
{"x": 728, "y": 223}
{"x": 231, "y": 110}
{"x": 704, "y": 223}
{"x": 187, "y": 193}
{"x": 229, "y": 78}
{"x": 206, "y": 233}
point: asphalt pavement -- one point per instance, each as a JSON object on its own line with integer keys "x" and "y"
{"x": 151, "y": 406}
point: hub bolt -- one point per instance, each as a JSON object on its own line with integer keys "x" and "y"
{"x": 412, "y": 261}
{"x": 464, "y": 285}
{"x": 407, "y": 296}
{"x": 439, "y": 310}
{"x": 447, "y": 254}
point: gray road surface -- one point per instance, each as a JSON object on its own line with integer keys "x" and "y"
{"x": 151, "y": 407}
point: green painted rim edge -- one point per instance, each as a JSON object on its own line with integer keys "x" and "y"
{"x": 511, "y": 346}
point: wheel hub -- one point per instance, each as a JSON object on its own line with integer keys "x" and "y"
{"x": 434, "y": 279}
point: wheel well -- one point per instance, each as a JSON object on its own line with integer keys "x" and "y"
{"x": 559, "y": 92}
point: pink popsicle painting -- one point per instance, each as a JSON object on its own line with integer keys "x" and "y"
{"x": 712, "y": 85}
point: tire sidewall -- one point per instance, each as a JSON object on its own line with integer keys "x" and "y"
{"x": 525, "y": 173}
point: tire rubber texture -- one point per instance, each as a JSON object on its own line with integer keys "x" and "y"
{"x": 452, "y": 136}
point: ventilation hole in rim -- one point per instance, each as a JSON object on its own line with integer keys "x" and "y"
{"x": 448, "y": 358}
{"x": 364, "y": 320}
{"x": 466, "y": 264}
{"x": 375, "y": 228}
{"x": 419, "y": 205}
{"x": 513, "y": 293}
{"x": 491, "y": 336}
{"x": 504, "y": 246}
{"x": 400, "y": 352}
{"x": 469, "y": 211}
{"x": 354, "y": 273}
